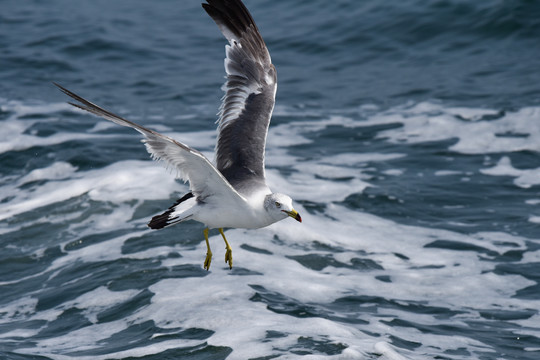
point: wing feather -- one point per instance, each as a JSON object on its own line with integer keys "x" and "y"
{"x": 249, "y": 98}
{"x": 204, "y": 179}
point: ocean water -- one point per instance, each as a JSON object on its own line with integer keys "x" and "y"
{"x": 408, "y": 134}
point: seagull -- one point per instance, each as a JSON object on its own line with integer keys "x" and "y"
{"x": 230, "y": 192}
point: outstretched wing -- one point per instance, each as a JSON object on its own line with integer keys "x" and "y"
{"x": 250, "y": 92}
{"x": 205, "y": 180}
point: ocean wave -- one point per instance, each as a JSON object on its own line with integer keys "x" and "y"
{"x": 82, "y": 276}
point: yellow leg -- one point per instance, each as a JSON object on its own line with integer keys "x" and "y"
{"x": 208, "y": 259}
{"x": 228, "y": 253}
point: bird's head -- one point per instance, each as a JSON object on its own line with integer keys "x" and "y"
{"x": 279, "y": 207}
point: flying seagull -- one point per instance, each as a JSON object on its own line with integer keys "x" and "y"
{"x": 232, "y": 192}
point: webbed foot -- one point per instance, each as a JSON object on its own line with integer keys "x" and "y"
{"x": 228, "y": 252}
{"x": 208, "y": 258}
{"x": 228, "y": 256}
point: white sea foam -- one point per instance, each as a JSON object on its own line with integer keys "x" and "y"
{"x": 513, "y": 131}
{"x": 447, "y": 173}
{"x": 98, "y": 300}
{"x": 15, "y": 135}
{"x": 223, "y": 304}
{"x": 534, "y": 219}
{"x": 116, "y": 183}
{"x": 523, "y": 178}
{"x": 461, "y": 281}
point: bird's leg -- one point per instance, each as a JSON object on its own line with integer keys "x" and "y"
{"x": 228, "y": 253}
{"x": 208, "y": 259}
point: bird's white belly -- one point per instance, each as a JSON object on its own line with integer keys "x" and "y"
{"x": 232, "y": 218}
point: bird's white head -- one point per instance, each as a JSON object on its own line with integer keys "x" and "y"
{"x": 280, "y": 206}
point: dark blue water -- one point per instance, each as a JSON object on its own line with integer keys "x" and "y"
{"x": 408, "y": 134}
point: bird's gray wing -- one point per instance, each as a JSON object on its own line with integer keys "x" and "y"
{"x": 249, "y": 98}
{"x": 205, "y": 181}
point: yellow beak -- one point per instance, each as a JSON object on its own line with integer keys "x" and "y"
{"x": 294, "y": 214}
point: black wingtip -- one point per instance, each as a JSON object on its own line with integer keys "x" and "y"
{"x": 163, "y": 220}
{"x": 232, "y": 14}
{"x": 67, "y": 92}
{"x": 60, "y": 87}
{"x": 160, "y": 221}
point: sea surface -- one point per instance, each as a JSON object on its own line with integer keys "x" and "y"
{"x": 407, "y": 133}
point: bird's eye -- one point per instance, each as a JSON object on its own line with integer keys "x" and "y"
{"x": 278, "y": 205}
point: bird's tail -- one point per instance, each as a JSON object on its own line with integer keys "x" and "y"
{"x": 173, "y": 215}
